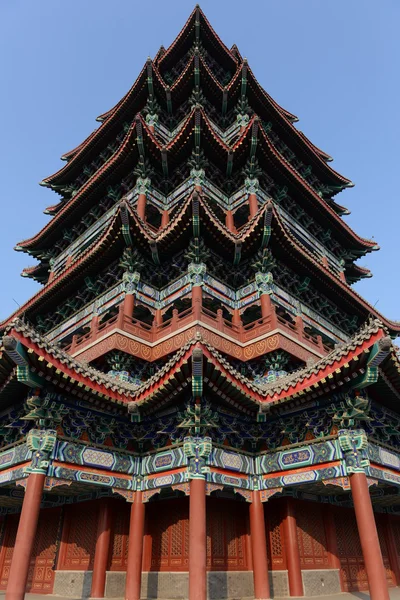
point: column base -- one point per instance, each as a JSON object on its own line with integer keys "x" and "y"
{"x": 321, "y": 582}
{"x": 73, "y": 584}
{"x": 165, "y": 585}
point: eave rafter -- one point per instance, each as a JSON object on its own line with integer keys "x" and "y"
{"x": 246, "y": 241}
{"x": 341, "y": 367}
{"x": 127, "y": 148}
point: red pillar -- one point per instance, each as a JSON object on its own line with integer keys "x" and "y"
{"x": 236, "y": 319}
{"x": 229, "y": 221}
{"x": 253, "y": 205}
{"x": 265, "y": 300}
{"x": 164, "y": 218}
{"x": 197, "y": 540}
{"x": 141, "y": 206}
{"x": 299, "y": 325}
{"x": 371, "y": 549}
{"x": 25, "y": 537}
{"x": 129, "y": 305}
{"x": 392, "y": 550}
{"x": 197, "y": 300}
{"x": 102, "y": 549}
{"x": 158, "y": 318}
{"x": 268, "y": 309}
{"x": 94, "y": 324}
{"x": 259, "y": 548}
{"x": 135, "y": 549}
{"x": 292, "y": 550}
{"x": 331, "y": 541}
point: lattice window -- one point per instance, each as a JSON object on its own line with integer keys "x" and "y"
{"x": 226, "y": 535}
{"x": 169, "y": 529}
{"x": 41, "y": 570}
{"x": 276, "y": 554}
{"x": 120, "y": 537}
{"x": 311, "y": 536}
{"x": 380, "y": 526}
{"x": 9, "y": 542}
{"x": 226, "y": 531}
{"x": 395, "y": 525}
{"x": 349, "y": 549}
{"x": 80, "y": 537}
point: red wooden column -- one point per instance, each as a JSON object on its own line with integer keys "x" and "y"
{"x": 292, "y": 550}
{"x": 331, "y": 541}
{"x": 392, "y": 550}
{"x": 102, "y": 549}
{"x": 135, "y": 549}
{"x": 141, "y": 206}
{"x": 229, "y": 221}
{"x": 197, "y": 540}
{"x": 378, "y": 587}
{"x": 25, "y": 537}
{"x": 197, "y": 300}
{"x": 253, "y": 205}
{"x": 236, "y": 318}
{"x": 164, "y": 218}
{"x": 129, "y": 305}
{"x": 268, "y": 309}
{"x": 266, "y": 305}
{"x": 259, "y": 548}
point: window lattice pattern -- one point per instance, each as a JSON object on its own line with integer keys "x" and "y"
{"x": 80, "y": 537}
{"x": 9, "y": 542}
{"x": 120, "y": 538}
{"x": 350, "y": 554}
{"x": 311, "y": 536}
{"x": 276, "y": 554}
{"x": 169, "y": 528}
{"x": 226, "y": 531}
{"x": 226, "y": 536}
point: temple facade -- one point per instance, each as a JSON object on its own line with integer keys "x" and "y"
{"x": 197, "y": 404}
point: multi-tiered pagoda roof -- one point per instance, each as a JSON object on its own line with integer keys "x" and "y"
{"x": 197, "y": 334}
{"x": 197, "y": 177}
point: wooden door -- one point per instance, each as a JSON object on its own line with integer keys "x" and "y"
{"x": 380, "y": 525}
{"x": 169, "y": 531}
{"x": 274, "y": 534}
{"x": 120, "y": 536}
{"x": 8, "y": 549}
{"x": 226, "y": 535}
{"x": 79, "y": 537}
{"x": 42, "y": 565}
{"x": 311, "y": 535}
{"x": 41, "y": 571}
{"x": 349, "y": 549}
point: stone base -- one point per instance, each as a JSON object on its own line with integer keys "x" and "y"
{"x": 74, "y": 584}
{"x": 321, "y": 582}
{"x": 166, "y": 585}
{"x": 221, "y": 585}
{"x": 278, "y": 584}
{"x": 230, "y": 584}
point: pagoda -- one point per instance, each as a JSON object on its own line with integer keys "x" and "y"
{"x": 197, "y": 403}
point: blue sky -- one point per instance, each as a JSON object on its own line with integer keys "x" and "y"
{"x": 333, "y": 64}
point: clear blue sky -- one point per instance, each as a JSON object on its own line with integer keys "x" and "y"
{"x": 333, "y": 64}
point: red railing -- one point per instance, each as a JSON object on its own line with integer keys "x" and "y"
{"x": 156, "y": 331}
